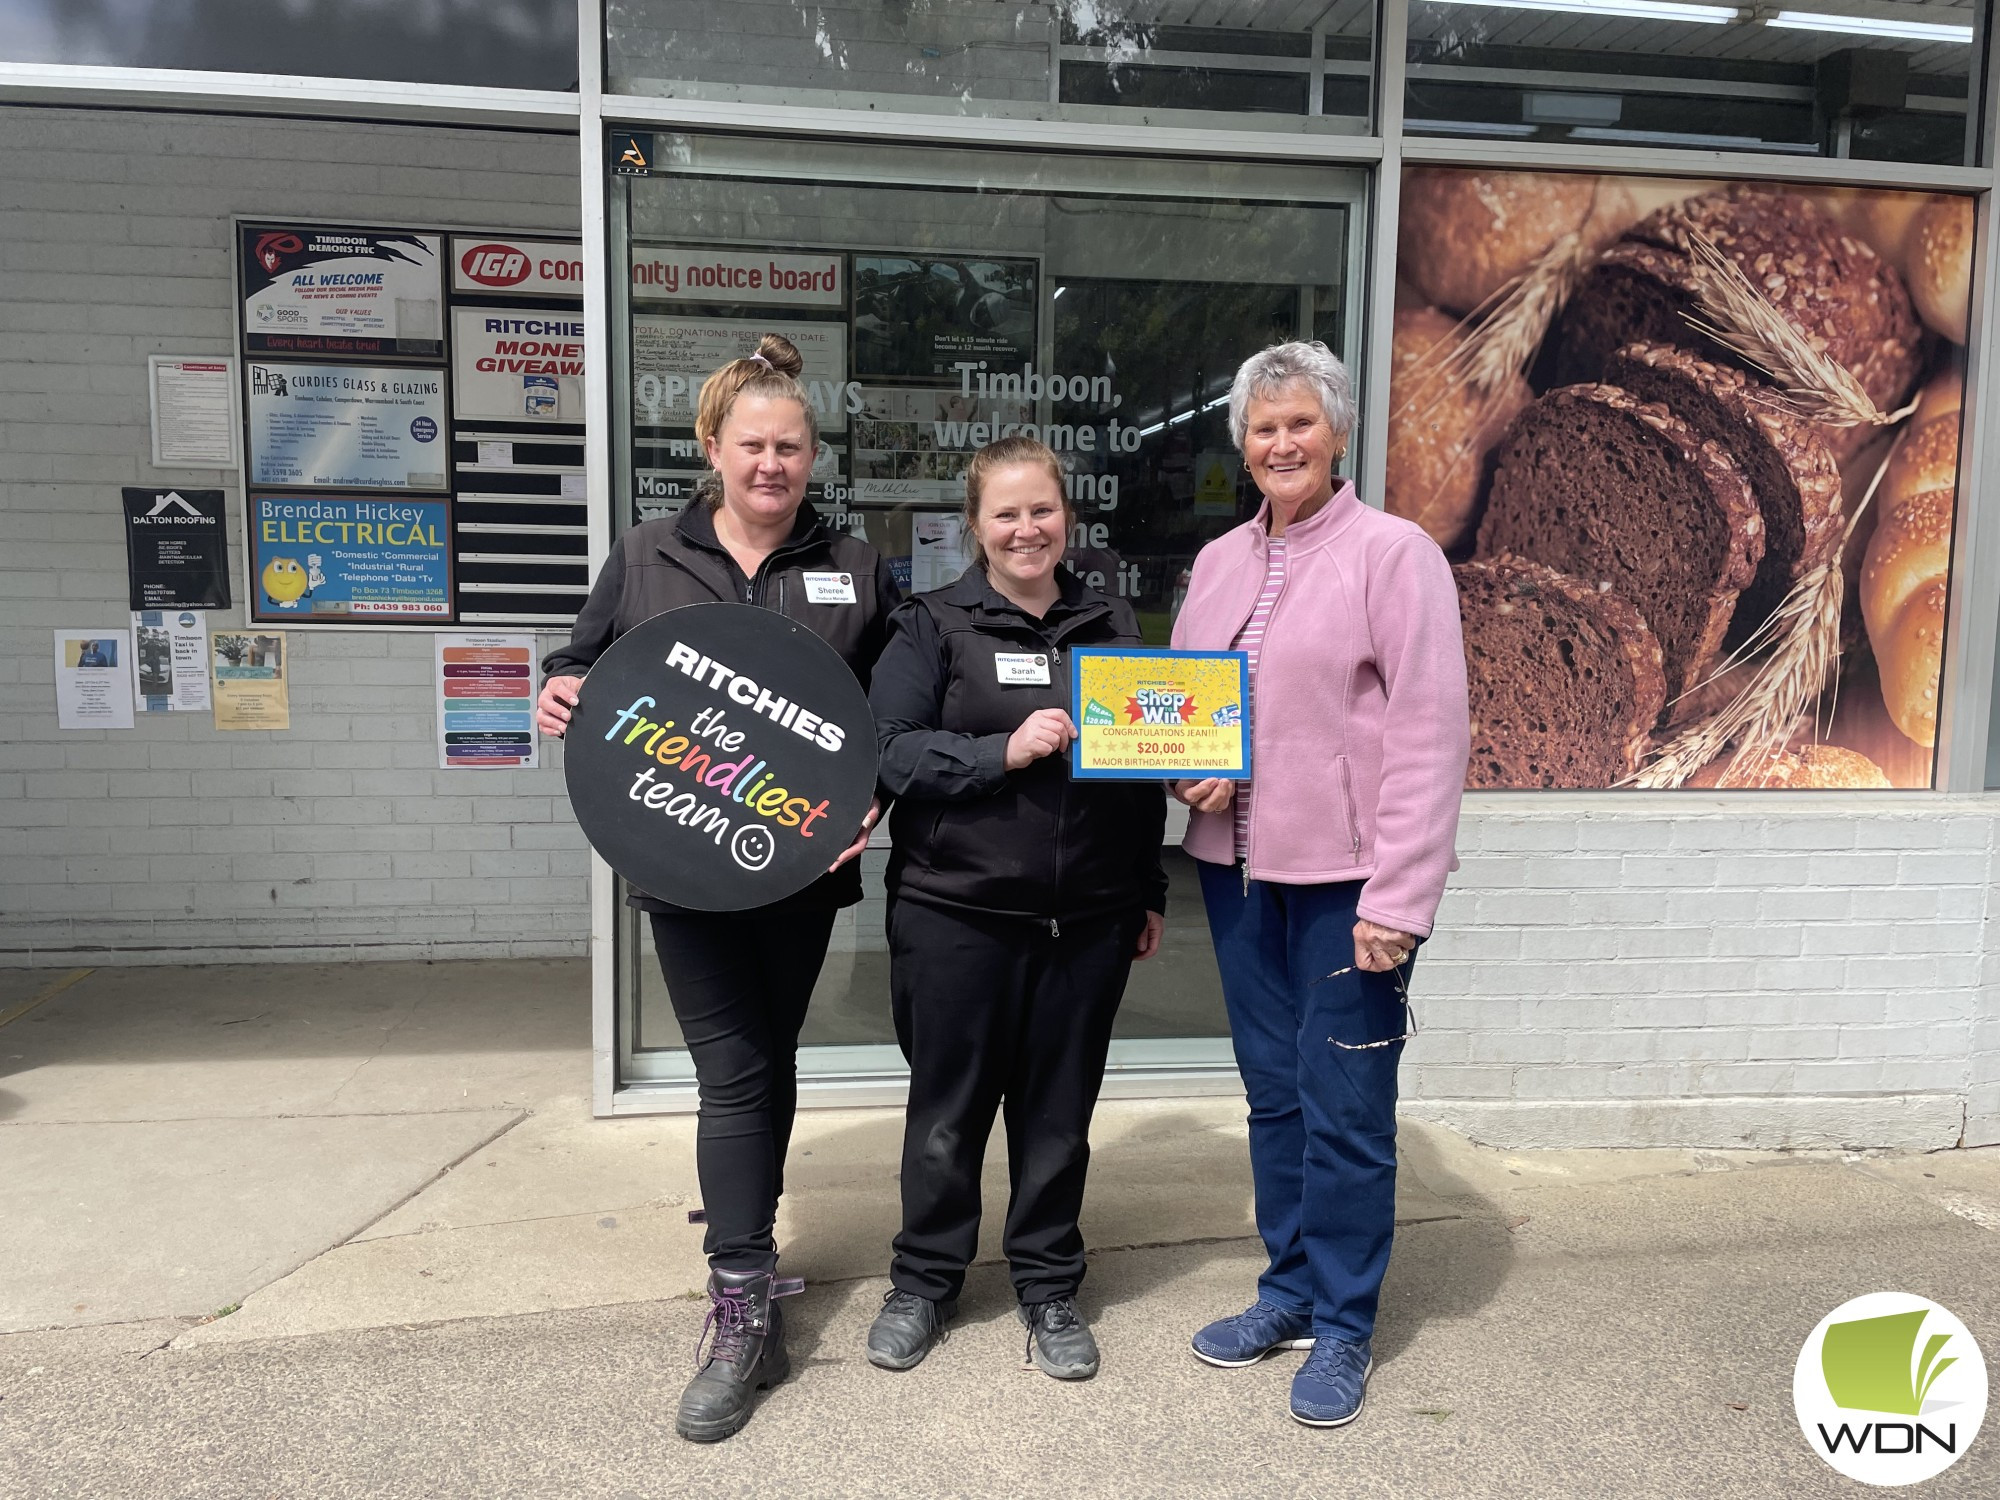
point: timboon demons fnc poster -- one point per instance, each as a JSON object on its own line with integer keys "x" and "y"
{"x": 1692, "y": 448}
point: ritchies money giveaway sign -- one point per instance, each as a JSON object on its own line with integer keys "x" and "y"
{"x": 721, "y": 756}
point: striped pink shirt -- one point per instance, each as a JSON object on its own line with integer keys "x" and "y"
{"x": 1251, "y": 642}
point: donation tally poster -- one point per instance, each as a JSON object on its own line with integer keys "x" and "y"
{"x": 486, "y": 702}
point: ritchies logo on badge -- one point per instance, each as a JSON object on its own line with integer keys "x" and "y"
{"x": 1890, "y": 1389}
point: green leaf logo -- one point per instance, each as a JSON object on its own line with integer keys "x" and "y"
{"x": 1869, "y": 1364}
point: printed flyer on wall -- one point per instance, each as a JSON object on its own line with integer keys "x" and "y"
{"x": 169, "y": 661}
{"x": 93, "y": 679}
{"x": 341, "y": 291}
{"x": 671, "y": 357}
{"x": 486, "y": 702}
{"x": 348, "y": 427}
{"x": 176, "y": 549}
{"x": 349, "y": 559}
{"x": 1694, "y": 451}
{"x": 252, "y": 681}
{"x": 517, "y": 364}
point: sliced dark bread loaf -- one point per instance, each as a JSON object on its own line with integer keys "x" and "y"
{"x": 1564, "y": 678}
{"x": 1832, "y": 287}
{"x": 1622, "y": 493}
{"x": 1791, "y": 471}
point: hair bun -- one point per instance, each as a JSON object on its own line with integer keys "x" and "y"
{"x": 781, "y": 354}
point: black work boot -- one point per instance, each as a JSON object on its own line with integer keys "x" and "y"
{"x": 741, "y": 1352}
{"x": 1059, "y": 1341}
{"x": 905, "y": 1329}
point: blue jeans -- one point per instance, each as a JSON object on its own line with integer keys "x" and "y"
{"x": 1322, "y": 1120}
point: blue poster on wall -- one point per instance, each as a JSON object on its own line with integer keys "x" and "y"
{"x": 350, "y": 559}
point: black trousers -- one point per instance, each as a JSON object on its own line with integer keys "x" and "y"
{"x": 740, "y": 983}
{"x": 1000, "y": 1014}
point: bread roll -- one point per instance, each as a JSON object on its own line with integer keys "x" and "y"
{"x": 1808, "y": 766}
{"x": 1939, "y": 264}
{"x": 1943, "y": 392}
{"x": 1903, "y": 576}
{"x": 1440, "y": 430}
{"x": 1466, "y": 234}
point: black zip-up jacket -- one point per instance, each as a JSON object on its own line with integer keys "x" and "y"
{"x": 968, "y": 833}
{"x": 664, "y": 564}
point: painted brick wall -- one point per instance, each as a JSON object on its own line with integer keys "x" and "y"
{"x": 172, "y": 840}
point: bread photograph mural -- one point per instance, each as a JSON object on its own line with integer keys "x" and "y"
{"x": 1692, "y": 448}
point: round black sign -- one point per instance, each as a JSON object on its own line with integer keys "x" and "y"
{"x": 720, "y": 757}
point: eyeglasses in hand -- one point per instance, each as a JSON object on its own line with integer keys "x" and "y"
{"x": 1402, "y": 993}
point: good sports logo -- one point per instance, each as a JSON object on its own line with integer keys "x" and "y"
{"x": 1890, "y": 1389}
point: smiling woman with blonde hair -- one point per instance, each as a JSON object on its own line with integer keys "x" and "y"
{"x": 1018, "y": 899}
{"x": 740, "y": 998}
{"x": 1323, "y": 872}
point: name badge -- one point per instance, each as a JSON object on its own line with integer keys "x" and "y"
{"x": 1021, "y": 669}
{"x": 829, "y": 588}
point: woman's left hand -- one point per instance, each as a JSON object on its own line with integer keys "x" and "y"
{"x": 868, "y": 823}
{"x": 1379, "y": 949}
{"x": 1149, "y": 936}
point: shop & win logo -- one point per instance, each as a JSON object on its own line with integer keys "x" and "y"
{"x": 1890, "y": 1389}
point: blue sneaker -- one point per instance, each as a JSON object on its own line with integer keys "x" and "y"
{"x": 1328, "y": 1389}
{"x": 1246, "y": 1338}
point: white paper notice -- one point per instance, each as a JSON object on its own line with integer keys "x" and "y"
{"x": 169, "y": 661}
{"x": 194, "y": 423}
{"x": 575, "y": 487}
{"x": 496, "y": 455}
{"x": 939, "y": 553}
{"x": 486, "y": 702}
{"x": 93, "y": 679}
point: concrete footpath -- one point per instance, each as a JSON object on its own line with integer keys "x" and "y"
{"x": 350, "y": 1231}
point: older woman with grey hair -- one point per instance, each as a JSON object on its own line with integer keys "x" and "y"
{"x": 1323, "y": 872}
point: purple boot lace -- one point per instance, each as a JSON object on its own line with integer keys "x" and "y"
{"x": 727, "y": 1326}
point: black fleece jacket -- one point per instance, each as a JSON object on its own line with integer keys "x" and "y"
{"x": 967, "y": 832}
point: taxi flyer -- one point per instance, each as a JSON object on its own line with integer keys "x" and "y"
{"x": 1146, "y": 715}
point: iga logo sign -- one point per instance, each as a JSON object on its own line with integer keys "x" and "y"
{"x": 495, "y": 265}
{"x": 1890, "y": 1389}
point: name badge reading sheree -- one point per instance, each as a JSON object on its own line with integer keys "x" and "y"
{"x": 1021, "y": 669}
{"x": 829, "y": 588}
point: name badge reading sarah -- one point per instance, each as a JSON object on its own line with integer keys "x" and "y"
{"x": 829, "y": 588}
{"x": 1021, "y": 669}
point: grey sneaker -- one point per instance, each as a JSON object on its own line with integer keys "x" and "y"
{"x": 905, "y": 1329}
{"x": 1059, "y": 1341}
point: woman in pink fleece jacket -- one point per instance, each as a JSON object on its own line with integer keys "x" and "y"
{"x": 1323, "y": 873}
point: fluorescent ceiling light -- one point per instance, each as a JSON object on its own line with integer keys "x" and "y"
{"x": 1630, "y": 10}
{"x": 1913, "y": 31}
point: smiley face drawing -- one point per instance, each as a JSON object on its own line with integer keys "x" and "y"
{"x": 284, "y": 581}
{"x": 753, "y": 846}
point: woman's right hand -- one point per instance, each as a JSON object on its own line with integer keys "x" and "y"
{"x": 552, "y": 709}
{"x": 1210, "y": 795}
{"x": 1046, "y": 731}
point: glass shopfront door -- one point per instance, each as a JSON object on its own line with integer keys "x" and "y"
{"x": 939, "y": 296}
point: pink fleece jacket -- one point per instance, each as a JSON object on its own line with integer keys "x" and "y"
{"x": 1359, "y": 727}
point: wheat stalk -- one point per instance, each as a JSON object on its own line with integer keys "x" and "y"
{"x": 1763, "y": 717}
{"x": 1811, "y": 383}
